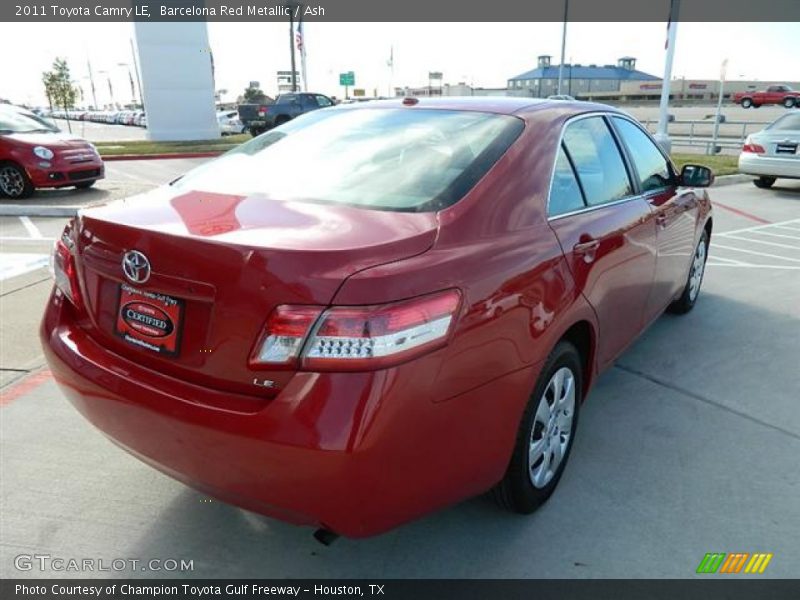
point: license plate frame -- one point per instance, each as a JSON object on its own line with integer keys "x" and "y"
{"x": 149, "y": 320}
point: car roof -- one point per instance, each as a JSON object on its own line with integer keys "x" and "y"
{"x": 507, "y": 105}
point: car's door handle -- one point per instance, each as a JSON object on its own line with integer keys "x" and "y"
{"x": 586, "y": 249}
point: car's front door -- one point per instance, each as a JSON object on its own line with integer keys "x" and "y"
{"x": 675, "y": 210}
{"x": 607, "y": 231}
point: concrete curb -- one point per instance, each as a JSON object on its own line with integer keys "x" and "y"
{"x": 723, "y": 180}
{"x": 209, "y": 154}
{"x": 38, "y": 210}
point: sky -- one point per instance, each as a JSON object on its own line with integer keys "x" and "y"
{"x": 481, "y": 54}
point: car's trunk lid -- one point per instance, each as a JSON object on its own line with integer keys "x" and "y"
{"x": 227, "y": 260}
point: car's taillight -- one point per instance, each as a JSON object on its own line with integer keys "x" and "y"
{"x": 357, "y": 338}
{"x": 373, "y": 337}
{"x": 752, "y": 147}
{"x": 284, "y": 334}
{"x": 62, "y": 267}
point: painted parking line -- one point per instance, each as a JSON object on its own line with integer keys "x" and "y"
{"x": 32, "y": 230}
{"x": 14, "y": 264}
{"x": 741, "y": 213}
{"x": 766, "y": 246}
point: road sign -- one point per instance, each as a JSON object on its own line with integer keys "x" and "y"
{"x": 348, "y": 78}
{"x": 358, "y": 92}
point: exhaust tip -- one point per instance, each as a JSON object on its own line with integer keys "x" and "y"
{"x": 325, "y": 536}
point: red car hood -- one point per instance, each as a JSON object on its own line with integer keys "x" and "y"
{"x": 53, "y": 140}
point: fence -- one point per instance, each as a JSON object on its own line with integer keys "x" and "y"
{"x": 700, "y": 133}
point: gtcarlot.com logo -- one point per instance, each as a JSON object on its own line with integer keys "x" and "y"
{"x": 736, "y": 562}
{"x": 46, "y": 562}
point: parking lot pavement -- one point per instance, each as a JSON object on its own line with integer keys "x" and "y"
{"x": 102, "y": 132}
{"x": 123, "y": 179}
{"x": 688, "y": 445}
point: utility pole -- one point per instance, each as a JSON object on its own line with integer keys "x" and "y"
{"x": 91, "y": 80}
{"x": 661, "y": 136}
{"x": 563, "y": 47}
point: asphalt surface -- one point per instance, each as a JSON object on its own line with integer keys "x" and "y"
{"x": 688, "y": 445}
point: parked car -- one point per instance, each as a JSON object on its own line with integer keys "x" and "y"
{"x": 416, "y": 322}
{"x": 258, "y": 118}
{"x": 774, "y": 94}
{"x": 40, "y": 119}
{"x": 229, "y": 123}
{"x": 33, "y": 156}
{"x": 773, "y": 152}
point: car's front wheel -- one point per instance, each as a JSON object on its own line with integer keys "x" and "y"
{"x": 14, "y": 181}
{"x": 764, "y": 182}
{"x": 788, "y": 102}
{"x": 545, "y": 435}
{"x": 747, "y": 103}
{"x": 691, "y": 290}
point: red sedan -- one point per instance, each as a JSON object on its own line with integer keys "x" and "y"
{"x": 32, "y": 156}
{"x": 380, "y": 309}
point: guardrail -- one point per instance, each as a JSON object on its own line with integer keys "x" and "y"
{"x": 700, "y": 132}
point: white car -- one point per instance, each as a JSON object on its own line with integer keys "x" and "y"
{"x": 229, "y": 123}
{"x": 773, "y": 152}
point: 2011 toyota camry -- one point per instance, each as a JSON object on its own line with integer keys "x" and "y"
{"x": 377, "y": 310}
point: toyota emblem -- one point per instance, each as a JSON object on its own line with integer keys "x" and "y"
{"x": 136, "y": 266}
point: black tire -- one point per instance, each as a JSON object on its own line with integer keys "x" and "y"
{"x": 789, "y": 102}
{"x": 85, "y": 185}
{"x": 688, "y": 299}
{"x": 14, "y": 181}
{"x": 516, "y": 491}
{"x": 747, "y": 103}
{"x": 256, "y": 131}
{"x": 281, "y": 120}
{"x": 764, "y": 182}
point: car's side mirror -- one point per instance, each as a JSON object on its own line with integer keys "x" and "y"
{"x": 696, "y": 176}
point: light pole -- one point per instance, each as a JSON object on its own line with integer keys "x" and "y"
{"x": 722, "y": 72}
{"x": 563, "y": 46}
{"x": 291, "y": 6}
{"x": 110, "y": 88}
{"x": 130, "y": 78}
{"x": 661, "y": 136}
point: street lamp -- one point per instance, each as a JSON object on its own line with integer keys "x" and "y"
{"x": 110, "y": 88}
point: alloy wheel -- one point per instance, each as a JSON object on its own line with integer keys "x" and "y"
{"x": 698, "y": 267}
{"x": 552, "y": 427}
{"x": 11, "y": 181}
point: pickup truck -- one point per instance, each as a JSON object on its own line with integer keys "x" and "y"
{"x": 774, "y": 94}
{"x": 258, "y": 118}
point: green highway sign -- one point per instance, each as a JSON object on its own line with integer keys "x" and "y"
{"x": 348, "y": 78}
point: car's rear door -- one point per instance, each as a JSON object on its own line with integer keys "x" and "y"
{"x": 675, "y": 210}
{"x": 606, "y": 230}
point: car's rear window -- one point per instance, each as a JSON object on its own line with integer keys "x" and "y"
{"x": 386, "y": 159}
{"x": 786, "y": 123}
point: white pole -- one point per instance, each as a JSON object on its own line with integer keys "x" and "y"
{"x": 722, "y": 73}
{"x": 563, "y": 47}
{"x": 661, "y": 136}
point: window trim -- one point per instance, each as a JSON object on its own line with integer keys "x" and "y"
{"x": 588, "y": 207}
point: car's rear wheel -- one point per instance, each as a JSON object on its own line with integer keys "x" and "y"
{"x": 788, "y": 102}
{"x": 281, "y": 120}
{"x": 85, "y": 184}
{"x": 14, "y": 181}
{"x": 764, "y": 182}
{"x": 747, "y": 103}
{"x": 545, "y": 435}
{"x": 691, "y": 290}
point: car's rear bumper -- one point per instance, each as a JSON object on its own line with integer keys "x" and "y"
{"x": 769, "y": 166}
{"x": 356, "y": 453}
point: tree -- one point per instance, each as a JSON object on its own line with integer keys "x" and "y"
{"x": 58, "y": 85}
{"x": 254, "y": 95}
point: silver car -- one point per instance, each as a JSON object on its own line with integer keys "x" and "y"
{"x": 773, "y": 152}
